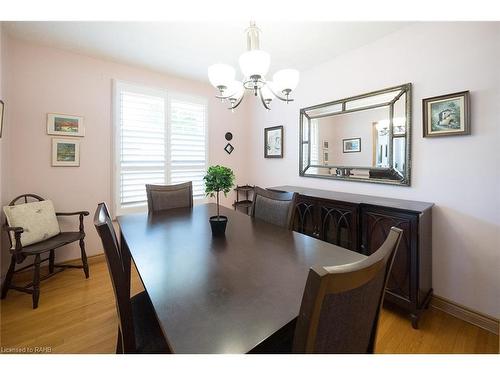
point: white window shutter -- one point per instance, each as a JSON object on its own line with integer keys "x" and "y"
{"x": 188, "y": 143}
{"x": 153, "y": 148}
{"x": 142, "y": 141}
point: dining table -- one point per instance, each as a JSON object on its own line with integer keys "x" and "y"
{"x": 226, "y": 294}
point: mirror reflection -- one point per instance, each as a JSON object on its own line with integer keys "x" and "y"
{"x": 361, "y": 138}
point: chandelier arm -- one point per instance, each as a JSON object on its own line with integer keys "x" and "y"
{"x": 237, "y": 103}
{"x": 279, "y": 97}
{"x": 225, "y": 96}
{"x": 262, "y": 100}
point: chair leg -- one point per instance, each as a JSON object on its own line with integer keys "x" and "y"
{"x": 8, "y": 277}
{"x": 36, "y": 281}
{"x": 84, "y": 259}
{"x": 52, "y": 258}
{"x": 119, "y": 346}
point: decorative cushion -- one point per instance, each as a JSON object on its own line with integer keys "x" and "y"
{"x": 38, "y": 219}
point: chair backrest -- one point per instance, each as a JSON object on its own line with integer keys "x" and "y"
{"x": 273, "y": 206}
{"x": 121, "y": 288}
{"x": 341, "y": 305}
{"x": 166, "y": 197}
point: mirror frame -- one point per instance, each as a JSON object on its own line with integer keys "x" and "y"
{"x": 405, "y": 89}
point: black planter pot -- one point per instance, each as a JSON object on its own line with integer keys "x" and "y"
{"x": 218, "y": 225}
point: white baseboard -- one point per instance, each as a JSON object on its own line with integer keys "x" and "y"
{"x": 464, "y": 313}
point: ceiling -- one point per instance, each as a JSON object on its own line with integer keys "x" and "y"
{"x": 187, "y": 48}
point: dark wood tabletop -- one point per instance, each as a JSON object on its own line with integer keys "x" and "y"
{"x": 222, "y": 295}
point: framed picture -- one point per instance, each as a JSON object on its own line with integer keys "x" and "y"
{"x": 65, "y": 152}
{"x": 2, "y": 110}
{"x": 59, "y": 124}
{"x": 325, "y": 145}
{"x": 273, "y": 142}
{"x": 351, "y": 145}
{"x": 446, "y": 115}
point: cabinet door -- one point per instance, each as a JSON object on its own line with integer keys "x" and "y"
{"x": 338, "y": 224}
{"x": 304, "y": 218}
{"x": 375, "y": 226}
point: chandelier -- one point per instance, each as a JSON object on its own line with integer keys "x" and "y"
{"x": 254, "y": 64}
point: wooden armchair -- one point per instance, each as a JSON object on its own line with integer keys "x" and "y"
{"x": 19, "y": 252}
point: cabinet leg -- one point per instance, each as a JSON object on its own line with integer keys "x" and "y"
{"x": 414, "y": 320}
{"x": 428, "y": 300}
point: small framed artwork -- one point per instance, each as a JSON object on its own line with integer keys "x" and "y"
{"x": 273, "y": 142}
{"x": 2, "y": 106}
{"x": 65, "y": 152}
{"x": 351, "y": 145}
{"x": 446, "y": 115}
{"x": 229, "y": 148}
{"x": 325, "y": 145}
{"x": 58, "y": 124}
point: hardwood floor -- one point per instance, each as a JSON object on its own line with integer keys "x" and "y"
{"x": 78, "y": 316}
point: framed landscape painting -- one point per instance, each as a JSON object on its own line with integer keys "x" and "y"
{"x": 351, "y": 145}
{"x": 59, "y": 124}
{"x": 446, "y": 115}
{"x": 273, "y": 142}
{"x": 65, "y": 152}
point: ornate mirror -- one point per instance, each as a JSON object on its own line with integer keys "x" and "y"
{"x": 361, "y": 138}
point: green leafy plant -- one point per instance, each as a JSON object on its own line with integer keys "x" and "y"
{"x": 217, "y": 179}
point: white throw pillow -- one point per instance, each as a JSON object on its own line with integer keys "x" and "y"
{"x": 38, "y": 219}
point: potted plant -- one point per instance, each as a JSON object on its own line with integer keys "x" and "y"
{"x": 217, "y": 179}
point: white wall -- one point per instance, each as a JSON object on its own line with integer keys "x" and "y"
{"x": 461, "y": 175}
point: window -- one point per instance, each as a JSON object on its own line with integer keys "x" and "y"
{"x": 314, "y": 142}
{"x": 160, "y": 138}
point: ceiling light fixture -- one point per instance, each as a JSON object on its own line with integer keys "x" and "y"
{"x": 254, "y": 64}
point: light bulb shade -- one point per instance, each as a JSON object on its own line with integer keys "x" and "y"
{"x": 235, "y": 90}
{"x": 255, "y": 62}
{"x": 286, "y": 79}
{"x": 266, "y": 92}
{"x": 221, "y": 74}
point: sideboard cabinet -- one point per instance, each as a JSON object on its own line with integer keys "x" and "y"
{"x": 361, "y": 223}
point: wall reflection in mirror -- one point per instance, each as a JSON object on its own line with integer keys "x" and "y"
{"x": 362, "y": 138}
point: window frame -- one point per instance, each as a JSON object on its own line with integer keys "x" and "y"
{"x": 117, "y": 87}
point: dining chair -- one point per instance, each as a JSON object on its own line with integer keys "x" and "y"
{"x": 35, "y": 233}
{"x": 273, "y": 207}
{"x": 138, "y": 328}
{"x": 166, "y": 197}
{"x": 341, "y": 305}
